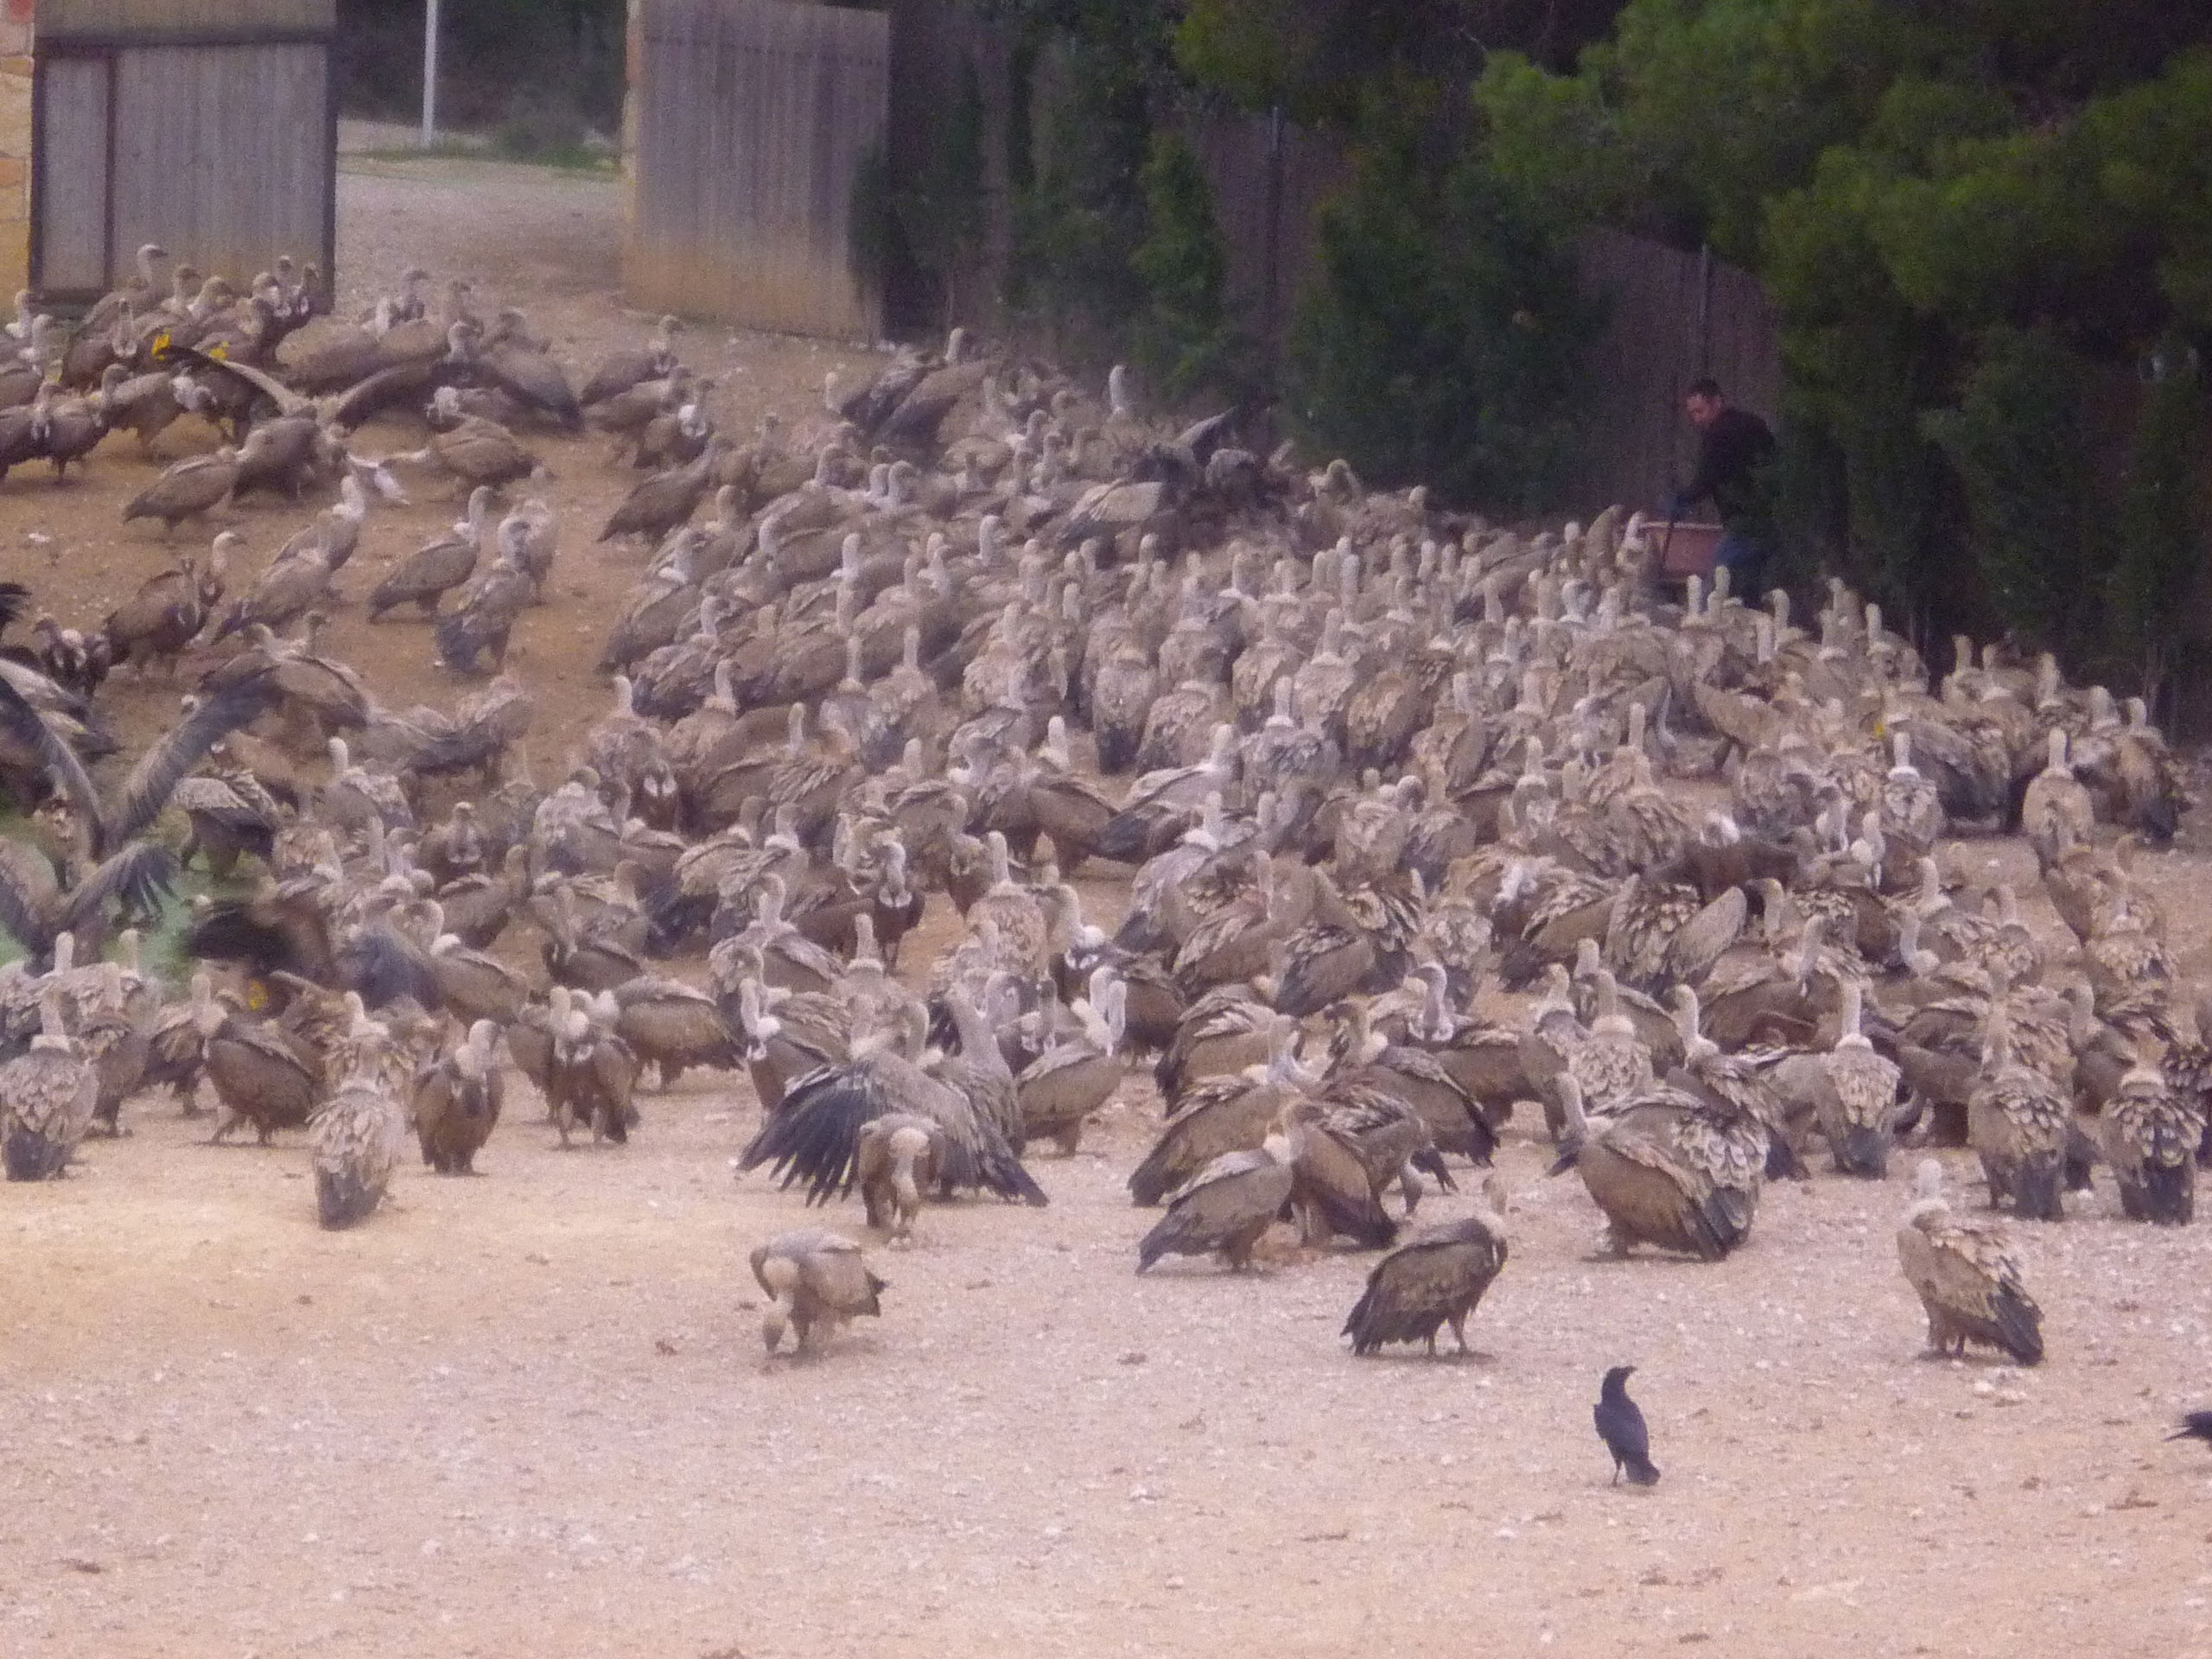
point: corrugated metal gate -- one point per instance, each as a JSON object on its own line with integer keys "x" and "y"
{"x": 754, "y": 120}
{"x": 209, "y": 126}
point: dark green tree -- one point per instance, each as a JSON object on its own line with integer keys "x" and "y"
{"x": 1081, "y": 216}
{"x": 1183, "y": 337}
{"x": 1440, "y": 342}
{"x": 2019, "y": 445}
{"x": 1320, "y": 61}
{"x": 1969, "y": 216}
{"x": 2158, "y": 573}
{"x": 940, "y": 211}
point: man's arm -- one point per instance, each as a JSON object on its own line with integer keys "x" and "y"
{"x": 1701, "y": 486}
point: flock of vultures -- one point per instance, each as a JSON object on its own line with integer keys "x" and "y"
{"x": 1366, "y": 765}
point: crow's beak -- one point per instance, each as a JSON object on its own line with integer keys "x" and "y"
{"x": 1567, "y": 1154}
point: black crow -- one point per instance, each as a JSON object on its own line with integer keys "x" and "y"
{"x": 1620, "y": 1426}
{"x": 2194, "y": 1426}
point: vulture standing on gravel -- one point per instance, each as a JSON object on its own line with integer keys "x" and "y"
{"x": 1435, "y": 1278}
{"x": 476, "y": 452}
{"x": 192, "y": 485}
{"x": 1966, "y": 1276}
{"x": 444, "y": 561}
{"x": 814, "y": 1136}
{"x": 47, "y": 1098}
{"x": 1060, "y": 1089}
{"x": 2016, "y": 1120}
{"x": 592, "y": 1075}
{"x": 1857, "y": 1106}
{"x": 456, "y": 1102}
{"x": 814, "y": 1278}
{"x": 896, "y": 1160}
{"x": 2057, "y": 812}
{"x": 1666, "y": 1168}
{"x": 2151, "y": 1132}
{"x": 1224, "y": 1208}
{"x": 167, "y": 611}
{"x": 261, "y": 1074}
{"x": 356, "y": 1135}
{"x": 666, "y": 499}
{"x": 621, "y": 370}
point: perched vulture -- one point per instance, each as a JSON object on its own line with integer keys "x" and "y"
{"x": 457, "y": 1101}
{"x": 47, "y": 1098}
{"x": 896, "y": 1158}
{"x": 1435, "y": 1278}
{"x": 813, "y": 1277}
{"x": 1224, "y": 1208}
{"x": 1966, "y": 1276}
{"x": 356, "y": 1136}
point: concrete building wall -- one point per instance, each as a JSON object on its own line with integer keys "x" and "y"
{"x": 756, "y": 124}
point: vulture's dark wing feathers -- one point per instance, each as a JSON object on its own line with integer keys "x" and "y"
{"x": 1202, "y": 437}
{"x": 384, "y": 967}
{"x": 386, "y": 387}
{"x": 30, "y": 727}
{"x": 288, "y": 402}
{"x": 27, "y": 896}
{"x": 272, "y": 935}
{"x": 814, "y": 1136}
{"x": 146, "y": 791}
{"x": 995, "y": 1166}
{"x": 137, "y": 876}
{"x": 467, "y": 745}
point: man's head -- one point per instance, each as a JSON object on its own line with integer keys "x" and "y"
{"x": 1704, "y": 401}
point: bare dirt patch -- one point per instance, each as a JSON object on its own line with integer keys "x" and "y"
{"x": 527, "y": 1413}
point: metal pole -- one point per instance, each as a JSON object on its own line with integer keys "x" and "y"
{"x": 1273, "y": 255}
{"x": 429, "y": 72}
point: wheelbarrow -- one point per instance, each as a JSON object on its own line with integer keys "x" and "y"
{"x": 1686, "y": 549}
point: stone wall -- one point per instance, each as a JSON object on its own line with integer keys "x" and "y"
{"x": 14, "y": 145}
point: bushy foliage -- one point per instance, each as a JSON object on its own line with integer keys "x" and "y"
{"x": 925, "y": 227}
{"x": 2019, "y": 443}
{"x": 1320, "y": 62}
{"x": 1869, "y": 486}
{"x": 1115, "y": 241}
{"x": 2158, "y": 573}
{"x": 1183, "y": 339}
{"x": 1440, "y": 340}
{"x": 1949, "y": 205}
{"x": 1082, "y": 215}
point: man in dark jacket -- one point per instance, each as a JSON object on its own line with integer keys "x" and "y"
{"x": 1732, "y": 459}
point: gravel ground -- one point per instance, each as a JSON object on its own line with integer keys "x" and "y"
{"x": 529, "y": 1413}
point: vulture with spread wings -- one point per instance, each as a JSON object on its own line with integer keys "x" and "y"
{"x": 113, "y": 864}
